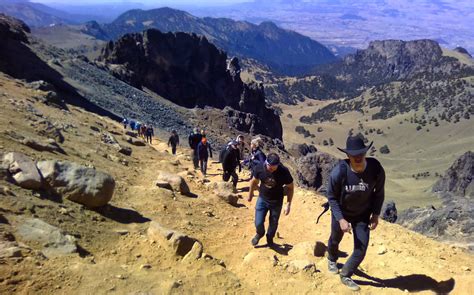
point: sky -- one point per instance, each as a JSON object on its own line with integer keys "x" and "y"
{"x": 146, "y": 2}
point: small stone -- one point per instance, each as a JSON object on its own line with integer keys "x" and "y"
{"x": 382, "y": 250}
{"x": 466, "y": 268}
{"x": 122, "y": 232}
{"x": 145, "y": 266}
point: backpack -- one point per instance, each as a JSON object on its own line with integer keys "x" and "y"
{"x": 223, "y": 153}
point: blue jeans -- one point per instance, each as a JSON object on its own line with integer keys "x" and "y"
{"x": 361, "y": 233}
{"x": 261, "y": 209}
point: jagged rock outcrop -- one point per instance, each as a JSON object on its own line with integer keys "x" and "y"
{"x": 459, "y": 178}
{"x": 314, "y": 170}
{"x": 390, "y": 60}
{"x": 190, "y": 71}
{"x": 301, "y": 150}
{"x": 454, "y": 219}
{"x": 12, "y": 29}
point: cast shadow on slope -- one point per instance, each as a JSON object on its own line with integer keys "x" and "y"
{"x": 121, "y": 215}
{"x": 412, "y": 283}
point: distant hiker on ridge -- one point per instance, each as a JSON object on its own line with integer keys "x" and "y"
{"x": 273, "y": 178}
{"x": 149, "y": 133}
{"x": 204, "y": 150}
{"x": 125, "y": 123}
{"x": 230, "y": 162}
{"x": 194, "y": 139}
{"x": 355, "y": 194}
{"x": 143, "y": 129}
{"x": 173, "y": 141}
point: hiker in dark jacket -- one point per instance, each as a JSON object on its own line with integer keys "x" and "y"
{"x": 173, "y": 141}
{"x": 355, "y": 194}
{"x": 230, "y": 162}
{"x": 204, "y": 150}
{"x": 149, "y": 133}
{"x": 125, "y": 123}
{"x": 194, "y": 139}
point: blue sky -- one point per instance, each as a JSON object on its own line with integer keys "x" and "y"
{"x": 146, "y": 2}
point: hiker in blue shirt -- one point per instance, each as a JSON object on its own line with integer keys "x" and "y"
{"x": 204, "y": 150}
{"x": 355, "y": 193}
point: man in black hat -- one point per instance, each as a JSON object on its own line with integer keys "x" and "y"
{"x": 274, "y": 178}
{"x": 356, "y": 194}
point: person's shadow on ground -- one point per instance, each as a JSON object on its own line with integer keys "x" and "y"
{"x": 411, "y": 283}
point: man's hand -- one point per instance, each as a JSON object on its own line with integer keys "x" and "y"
{"x": 250, "y": 197}
{"x": 374, "y": 221}
{"x": 345, "y": 226}
{"x": 287, "y": 209}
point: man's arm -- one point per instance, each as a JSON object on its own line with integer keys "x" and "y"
{"x": 333, "y": 194}
{"x": 379, "y": 197}
{"x": 253, "y": 185}
{"x": 289, "y": 197}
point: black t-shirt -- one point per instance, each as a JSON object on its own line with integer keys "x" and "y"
{"x": 271, "y": 186}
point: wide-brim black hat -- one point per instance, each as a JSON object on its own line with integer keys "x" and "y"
{"x": 355, "y": 146}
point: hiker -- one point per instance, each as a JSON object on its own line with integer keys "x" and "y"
{"x": 194, "y": 139}
{"x": 143, "y": 131}
{"x": 241, "y": 145}
{"x": 149, "y": 133}
{"x": 355, "y": 194}
{"x": 204, "y": 150}
{"x": 256, "y": 155}
{"x": 125, "y": 123}
{"x": 273, "y": 178}
{"x": 230, "y": 162}
{"x": 138, "y": 127}
{"x": 173, "y": 141}
{"x": 132, "y": 124}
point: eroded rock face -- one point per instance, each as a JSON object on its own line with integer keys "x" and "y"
{"x": 77, "y": 183}
{"x": 188, "y": 70}
{"x": 314, "y": 170}
{"x": 459, "y": 178}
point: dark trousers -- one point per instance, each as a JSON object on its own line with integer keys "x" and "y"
{"x": 203, "y": 164}
{"x": 235, "y": 178}
{"x": 261, "y": 209}
{"x": 195, "y": 159}
{"x": 361, "y": 233}
{"x": 173, "y": 149}
{"x": 148, "y": 138}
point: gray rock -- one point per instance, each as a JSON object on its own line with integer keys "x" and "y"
{"x": 49, "y": 146}
{"x": 23, "y": 170}
{"x": 108, "y": 138}
{"x": 295, "y": 266}
{"x": 179, "y": 243}
{"x": 389, "y": 213}
{"x": 78, "y": 183}
{"x": 177, "y": 183}
{"x": 135, "y": 141}
{"x": 314, "y": 170}
{"x": 459, "y": 178}
{"x": 53, "y": 240}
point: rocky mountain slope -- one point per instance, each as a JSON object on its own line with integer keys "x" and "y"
{"x": 52, "y": 244}
{"x": 284, "y": 51}
{"x": 453, "y": 221}
{"x": 34, "y": 14}
{"x": 191, "y": 72}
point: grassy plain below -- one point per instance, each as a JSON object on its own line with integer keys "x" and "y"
{"x": 411, "y": 151}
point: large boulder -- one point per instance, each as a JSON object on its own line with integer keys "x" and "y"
{"x": 177, "y": 242}
{"x": 53, "y": 239}
{"x": 176, "y": 182}
{"x": 389, "y": 212}
{"x": 77, "y": 183}
{"x": 109, "y": 139}
{"x": 23, "y": 170}
{"x": 459, "y": 178}
{"x": 314, "y": 170}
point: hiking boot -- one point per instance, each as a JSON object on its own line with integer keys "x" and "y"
{"x": 270, "y": 242}
{"x": 256, "y": 239}
{"x": 350, "y": 283}
{"x": 332, "y": 267}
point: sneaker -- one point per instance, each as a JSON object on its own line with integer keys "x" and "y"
{"x": 350, "y": 283}
{"x": 332, "y": 267}
{"x": 256, "y": 239}
{"x": 270, "y": 242}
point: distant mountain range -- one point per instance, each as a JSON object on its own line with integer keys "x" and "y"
{"x": 284, "y": 51}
